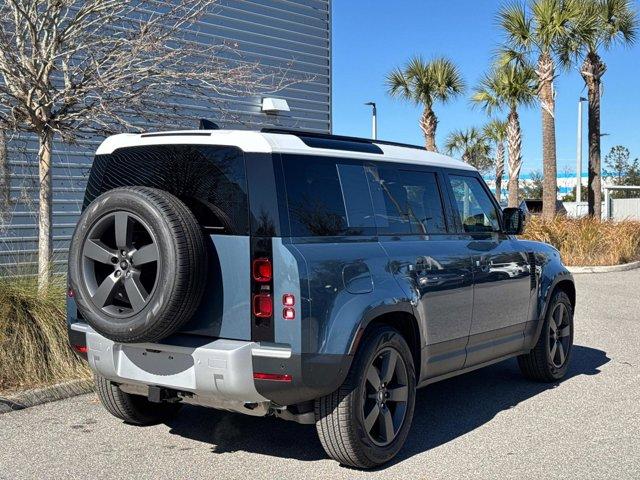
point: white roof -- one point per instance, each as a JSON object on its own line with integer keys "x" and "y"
{"x": 259, "y": 142}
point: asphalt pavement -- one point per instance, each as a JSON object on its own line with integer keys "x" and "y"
{"x": 486, "y": 424}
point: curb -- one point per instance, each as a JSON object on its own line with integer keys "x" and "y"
{"x": 606, "y": 269}
{"x": 38, "y": 396}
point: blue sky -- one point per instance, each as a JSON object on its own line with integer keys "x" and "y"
{"x": 370, "y": 37}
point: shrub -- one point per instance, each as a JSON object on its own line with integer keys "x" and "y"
{"x": 588, "y": 241}
{"x": 34, "y": 349}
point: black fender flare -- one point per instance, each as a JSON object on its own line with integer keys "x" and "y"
{"x": 544, "y": 299}
{"x": 377, "y": 312}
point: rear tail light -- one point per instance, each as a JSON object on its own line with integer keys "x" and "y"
{"x": 275, "y": 377}
{"x": 81, "y": 348}
{"x": 288, "y": 300}
{"x": 262, "y": 305}
{"x": 262, "y": 270}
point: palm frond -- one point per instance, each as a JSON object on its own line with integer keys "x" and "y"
{"x": 472, "y": 147}
{"x": 446, "y": 79}
{"x": 398, "y": 85}
{"x": 619, "y": 22}
{"x": 495, "y": 130}
{"x": 506, "y": 86}
{"x": 517, "y": 25}
{"x": 426, "y": 82}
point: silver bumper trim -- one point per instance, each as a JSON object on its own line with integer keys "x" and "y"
{"x": 219, "y": 371}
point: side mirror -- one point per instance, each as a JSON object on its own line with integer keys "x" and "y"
{"x": 513, "y": 220}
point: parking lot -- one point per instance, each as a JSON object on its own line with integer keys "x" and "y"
{"x": 487, "y": 424}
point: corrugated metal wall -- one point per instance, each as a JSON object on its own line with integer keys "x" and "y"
{"x": 295, "y": 34}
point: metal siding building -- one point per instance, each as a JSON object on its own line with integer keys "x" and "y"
{"x": 291, "y": 34}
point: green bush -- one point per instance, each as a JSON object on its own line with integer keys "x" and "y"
{"x": 34, "y": 349}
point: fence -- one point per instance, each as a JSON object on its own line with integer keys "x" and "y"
{"x": 612, "y": 208}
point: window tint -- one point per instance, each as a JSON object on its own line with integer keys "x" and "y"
{"x": 406, "y": 202}
{"x": 355, "y": 192}
{"x": 477, "y": 211}
{"x": 326, "y": 197}
{"x": 210, "y": 179}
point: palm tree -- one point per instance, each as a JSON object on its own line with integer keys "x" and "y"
{"x": 426, "y": 83}
{"x": 507, "y": 87}
{"x": 604, "y": 24}
{"x": 472, "y": 147}
{"x": 540, "y": 31}
{"x": 496, "y": 131}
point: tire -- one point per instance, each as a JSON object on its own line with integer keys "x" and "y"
{"x": 543, "y": 362}
{"x": 340, "y": 416}
{"x": 137, "y": 264}
{"x": 133, "y": 409}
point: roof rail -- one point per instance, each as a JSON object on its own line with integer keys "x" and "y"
{"x": 338, "y": 138}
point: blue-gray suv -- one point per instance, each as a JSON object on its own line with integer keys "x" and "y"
{"x": 316, "y": 278}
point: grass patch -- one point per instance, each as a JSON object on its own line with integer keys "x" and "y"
{"x": 34, "y": 349}
{"x": 588, "y": 241}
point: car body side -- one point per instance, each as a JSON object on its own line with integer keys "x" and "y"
{"x": 424, "y": 285}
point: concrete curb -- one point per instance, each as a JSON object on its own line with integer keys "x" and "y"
{"x": 30, "y": 398}
{"x": 606, "y": 268}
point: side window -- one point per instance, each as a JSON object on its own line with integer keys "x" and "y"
{"x": 406, "y": 202}
{"x": 326, "y": 197}
{"x": 477, "y": 211}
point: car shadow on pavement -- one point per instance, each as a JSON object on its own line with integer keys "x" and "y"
{"x": 444, "y": 411}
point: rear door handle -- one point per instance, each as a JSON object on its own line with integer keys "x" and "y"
{"x": 437, "y": 279}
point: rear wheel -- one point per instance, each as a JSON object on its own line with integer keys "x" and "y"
{"x": 549, "y": 359}
{"x": 366, "y": 421}
{"x": 133, "y": 409}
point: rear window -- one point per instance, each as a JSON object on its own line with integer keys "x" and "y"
{"x": 407, "y": 202}
{"x": 327, "y": 197}
{"x": 210, "y": 179}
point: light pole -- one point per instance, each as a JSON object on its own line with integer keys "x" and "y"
{"x": 581, "y": 100}
{"x": 374, "y": 120}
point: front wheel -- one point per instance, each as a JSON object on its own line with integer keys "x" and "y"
{"x": 549, "y": 359}
{"x": 365, "y": 422}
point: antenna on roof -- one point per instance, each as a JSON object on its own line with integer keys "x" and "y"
{"x": 208, "y": 125}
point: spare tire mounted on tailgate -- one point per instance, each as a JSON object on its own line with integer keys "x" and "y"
{"x": 137, "y": 264}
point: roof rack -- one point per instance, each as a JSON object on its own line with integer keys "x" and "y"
{"x": 337, "y": 138}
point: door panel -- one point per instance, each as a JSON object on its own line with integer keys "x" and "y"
{"x": 433, "y": 268}
{"x": 500, "y": 270}
{"x": 437, "y": 275}
{"x": 501, "y": 298}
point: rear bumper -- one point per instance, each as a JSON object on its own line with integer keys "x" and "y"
{"x": 220, "y": 369}
{"x": 213, "y": 372}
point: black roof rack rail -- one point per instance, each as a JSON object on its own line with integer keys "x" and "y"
{"x": 338, "y": 138}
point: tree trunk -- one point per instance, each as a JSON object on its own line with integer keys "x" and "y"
{"x": 45, "y": 234}
{"x": 545, "y": 73}
{"x": 592, "y": 71}
{"x": 428, "y": 125}
{"x": 514, "y": 140}
{"x": 5, "y": 194}
{"x": 499, "y": 169}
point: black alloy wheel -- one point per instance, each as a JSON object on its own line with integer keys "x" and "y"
{"x": 386, "y": 393}
{"x": 559, "y": 335}
{"x": 121, "y": 264}
{"x": 549, "y": 359}
{"x": 137, "y": 264}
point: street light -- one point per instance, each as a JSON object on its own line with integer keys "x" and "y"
{"x": 374, "y": 120}
{"x": 579, "y": 152}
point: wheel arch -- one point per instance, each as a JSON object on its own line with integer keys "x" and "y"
{"x": 404, "y": 321}
{"x": 562, "y": 282}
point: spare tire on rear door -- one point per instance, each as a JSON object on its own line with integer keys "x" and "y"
{"x": 137, "y": 264}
